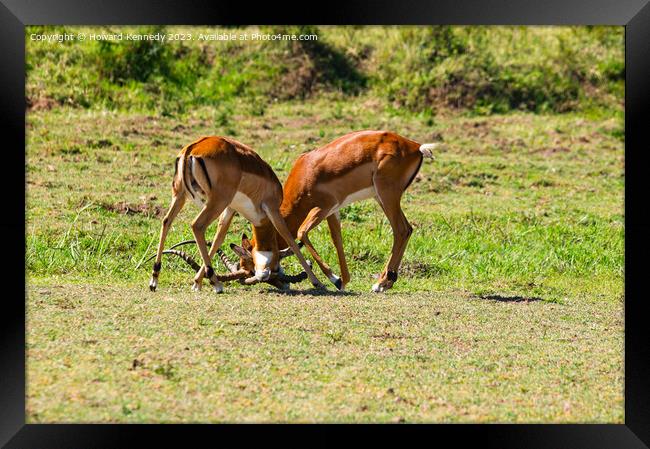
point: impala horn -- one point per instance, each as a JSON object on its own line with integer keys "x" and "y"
{"x": 250, "y": 281}
{"x": 187, "y": 242}
{"x": 292, "y": 278}
{"x": 232, "y": 276}
{"x": 282, "y": 277}
{"x": 186, "y": 257}
{"x": 183, "y": 255}
{"x": 231, "y": 266}
{"x": 288, "y": 252}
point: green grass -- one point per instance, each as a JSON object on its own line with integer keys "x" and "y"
{"x": 521, "y": 205}
{"x": 509, "y": 304}
{"x": 106, "y": 353}
{"x": 415, "y": 68}
{"x": 522, "y": 201}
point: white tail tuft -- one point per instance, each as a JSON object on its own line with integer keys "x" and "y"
{"x": 427, "y": 148}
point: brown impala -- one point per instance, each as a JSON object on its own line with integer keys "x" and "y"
{"x": 357, "y": 166}
{"x": 224, "y": 176}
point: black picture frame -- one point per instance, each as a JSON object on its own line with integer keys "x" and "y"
{"x": 633, "y": 14}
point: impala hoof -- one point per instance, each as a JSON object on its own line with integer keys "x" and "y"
{"x": 153, "y": 284}
{"x": 196, "y": 287}
{"x": 334, "y": 279}
{"x": 218, "y": 288}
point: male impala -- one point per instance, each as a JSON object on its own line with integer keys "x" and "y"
{"x": 357, "y": 166}
{"x": 224, "y": 176}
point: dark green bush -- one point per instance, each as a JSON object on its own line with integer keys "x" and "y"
{"x": 420, "y": 69}
{"x": 123, "y": 61}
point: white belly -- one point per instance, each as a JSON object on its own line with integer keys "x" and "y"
{"x": 360, "y": 195}
{"x": 243, "y": 204}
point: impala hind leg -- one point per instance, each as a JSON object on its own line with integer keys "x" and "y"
{"x": 389, "y": 200}
{"x": 280, "y": 225}
{"x": 213, "y": 208}
{"x": 177, "y": 204}
{"x": 314, "y": 217}
{"x": 222, "y": 228}
{"x": 334, "y": 223}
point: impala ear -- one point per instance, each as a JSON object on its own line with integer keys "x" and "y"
{"x": 246, "y": 243}
{"x": 241, "y": 252}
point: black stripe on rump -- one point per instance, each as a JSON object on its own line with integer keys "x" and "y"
{"x": 175, "y": 171}
{"x": 184, "y": 174}
{"x": 205, "y": 171}
{"x": 415, "y": 172}
{"x": 186, "y": 156}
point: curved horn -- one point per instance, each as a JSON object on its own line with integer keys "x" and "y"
{"x": 183, "y": 255}
{"x": 287, "y": 251}
{"x": 145, "y": 261}
{"x": 226, "y": 262}
{"x": 233, "y": 276}
{"x": 251, "y": 281}
{"x": 186, "y": 257}
{"x": 236, "y": 275}
{"x": 292, "y": 278}
{"x": 185, "y": 242}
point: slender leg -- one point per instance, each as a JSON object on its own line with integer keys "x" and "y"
{"x": 334, "y": 223}
{"x": 177, "y": 204}
{"x": 314, "y": 217}
{"x": 389, "y": 200}
{"x": 224, "y": 223}
{"x": 213, "y": 208}
{"x": 283, "y": 230}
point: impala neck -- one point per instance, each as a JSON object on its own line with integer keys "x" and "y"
{"x": 264, "y": 237}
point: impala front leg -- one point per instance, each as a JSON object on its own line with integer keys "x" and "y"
{"x": 280, "y": 225}
{"x": 313, "y": 219}
{"x": 199, "y": 226}
{"x": 177, "y": 204}
{"x": 334, "y": 223}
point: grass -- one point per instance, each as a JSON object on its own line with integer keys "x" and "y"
{"x": 509, "y": 304}
{"x": 527, "y": 203}
{"x": 413, "y": 68}
{"x": 104, "y": 353}
{"x": 521, "y": 206}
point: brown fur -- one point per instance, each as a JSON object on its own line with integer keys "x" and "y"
{"x": 321, "y": 179}
{"x": 346, "y": 165}
{"x": 227, "y": 176}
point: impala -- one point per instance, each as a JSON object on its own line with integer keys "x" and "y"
{"x": 224, "y": 176}
{"x": 357, "y": 166}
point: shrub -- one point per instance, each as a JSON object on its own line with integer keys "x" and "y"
{"x": 133, "y": 60}
{"x": 418, "y": 69}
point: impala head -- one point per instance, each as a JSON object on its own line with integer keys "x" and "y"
{"x": 257, "y": 267}
{"x": 256, "y": 261}
{"x": 245, "y": 253}
{"x": 253, "y": 259}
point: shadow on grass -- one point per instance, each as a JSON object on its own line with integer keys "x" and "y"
{"x": 501, "y": 298}
{"x": 312, "y": 292}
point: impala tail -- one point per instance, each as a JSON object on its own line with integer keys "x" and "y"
{"x": 427, "y": 149}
